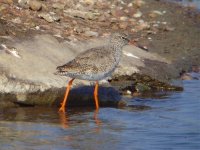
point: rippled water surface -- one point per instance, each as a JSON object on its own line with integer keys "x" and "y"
{"x": 195, "y": 3}
{"x": 170, "y": 123}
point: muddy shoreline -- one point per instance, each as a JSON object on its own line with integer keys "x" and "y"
{"x": 164, "y": 36}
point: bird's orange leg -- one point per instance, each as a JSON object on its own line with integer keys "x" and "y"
{"x": 62, "y": 108}
{"x": 96, "y": 95}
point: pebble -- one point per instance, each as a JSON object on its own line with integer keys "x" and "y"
{"x": 91, "y": 34}
{"x": 56, "y": 18}
{"x": 37, "y": 27}
{"x": 164, "y": 23}
{"x": 23, "y": 3}
{"x": 133, "y": 30}
{"x": 102, "y": 18}
{"x": 35, "y": 5}
{"x": 58, "y": 6}
{"x": 155, "y": 13}
{"x": 49, "y": 17}
{"x": 130, "y": 5}
{"x": 167, "y": 28}
{"x": 155, "y": 25}
{"x": 46, "y": 17}
{"x": 44, "y": 7}
{"x": 142, "y": 26}
{"x": 123, "y": 18}
{"x": 87, "y": 2}
{"x": 16, "y": 20}
{"x": 114, "y": 27}
{"x": 132, "y": 21}
{"x": 3, "y": 7}
{"x": 117, "y": 12}
{"x": 72, "y": 38}
{"x": 81, "y": 14}
{"x": 8, "y": 1}
{"x": 123, "y": 25}
{"x": 138, "y": 3}
{"x": 138, "y": 14}
{"x": 128, "y": 92}
{"x": 78, "y": 29}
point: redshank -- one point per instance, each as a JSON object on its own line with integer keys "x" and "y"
{"x": 94, "y": 64}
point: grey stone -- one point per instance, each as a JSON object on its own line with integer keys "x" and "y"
{"x": 7, "y": 1}
{"x": 16, "y": 20}
{"x": 23, "y": 3}
{"x": 91, "y": 34}
{"x": 35, "y": 5}
{"x": 49, "y": 17}
{"x": 58, "y": 6}
{"x": 31, "y": 79}
{"x": 81, "y": 14}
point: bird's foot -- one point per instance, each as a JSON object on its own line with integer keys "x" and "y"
{"x": 61, "y": 109}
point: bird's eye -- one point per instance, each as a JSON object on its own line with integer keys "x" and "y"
{"x": 123, "y": 38}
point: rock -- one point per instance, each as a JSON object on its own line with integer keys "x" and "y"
{"x": 8, "y": 1}
{"x": 155, "y": 13}
{"x": 138, "y": 3}
{"x": 132, "y": 21}
{"x": 117, "y": 12}
{"x": 37, "y": 27}
{"x": 102, "y": 18}
{"x": 46, "y": 16}
{"x": 81, "y": 14}
{"x": 91, "y": 34}
{"x": 123, "y": 25}
{"x": 23, "y": 3}
{"x": 49, "y": 17}
{"x": 194, "y": 74}
{"x": 20, "y": 84}
{"x": 3, "y": 7}
{"x": 55, "y": 17}
{"x": 138, "y": 14}
{"x": 168, "y": 28}
{"x": 42, "y": 87}
{"x": 88, "y": 2}
{"x": 130, "y": 5}
{"x": 16, "y": 20}
{"x": 142, "y": 26}
{"x": 35, "y": 5}
{"x": 128, "y": 92}
{"x": 186, "y": 76}
{"x": 58, "y": 6}
{"x": 142, "y": 88}
{"x": 44, "y": 7}
{"x": 115, "y": 27}
{"x": 123, "y": 18}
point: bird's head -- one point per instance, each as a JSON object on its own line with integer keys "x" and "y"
{"x": 120, "y": 39}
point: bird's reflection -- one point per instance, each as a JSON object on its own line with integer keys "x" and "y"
{"x": 96, "y": 118}
{"x": 64, "y": 120}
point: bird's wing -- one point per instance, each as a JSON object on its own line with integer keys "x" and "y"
{"x": 91, "y": 60}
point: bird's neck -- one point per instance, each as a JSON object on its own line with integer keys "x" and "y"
{"x": 116, "y": 45}
{"x": 117, "y": 52}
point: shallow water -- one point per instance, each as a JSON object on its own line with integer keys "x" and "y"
{"x": 170, "y": 123}
{"x": 195, "y": 3}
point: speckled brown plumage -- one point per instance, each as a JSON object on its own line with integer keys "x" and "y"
{"x": 96, "y": 63}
